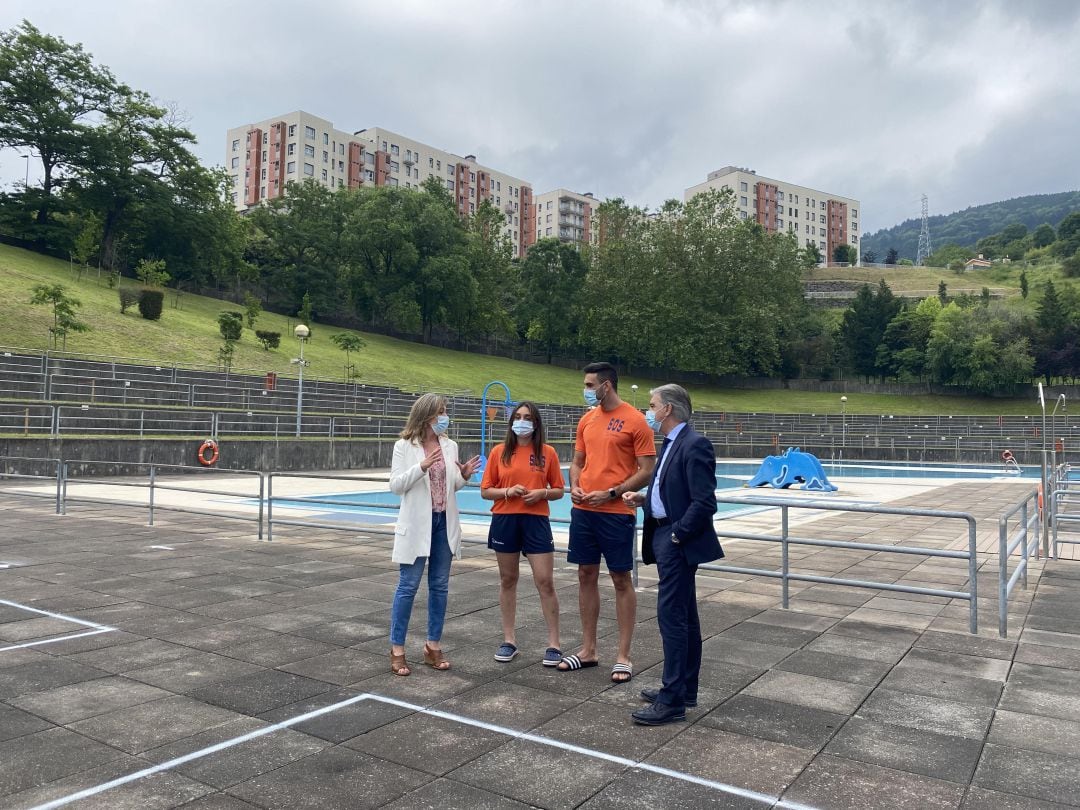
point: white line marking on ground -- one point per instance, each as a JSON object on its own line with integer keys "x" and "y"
{"x": 56, "y": 639}
{"x": 7, "y": 565}
{"x": 83, "y": 622}
{"x": 164, "y": 548}
{"x": 773, "y": 801}
{"x": 97, "y": 629}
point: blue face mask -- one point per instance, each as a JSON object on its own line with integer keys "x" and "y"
{"x": 590, "y": 398}
{"x": 654, "y": 423}
{"x": 522, "y": 427}
{"x": 441, "y": 423}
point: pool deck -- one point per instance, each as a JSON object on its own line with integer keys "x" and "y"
{"x": 195, "y": 666}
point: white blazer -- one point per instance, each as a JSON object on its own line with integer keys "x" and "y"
{"x": 412, "y": 534}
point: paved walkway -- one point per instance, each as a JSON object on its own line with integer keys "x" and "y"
{"x": 190, "y": 635}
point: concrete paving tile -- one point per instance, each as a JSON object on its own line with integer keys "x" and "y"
{"x": 347, "y": 632}
{"x": 134, "y": 655}
{"x": 942, "y": 684}
{"x": 194, "y": 670}
{"x": 609, "y": 728}
{"x": 339, "y": 667}
{"x": 334, "y": 777}
{"x": 1042, "y": 679}
{"x": 510, "y": 705}
{"x": 1040, "y": 775}
{"x": 884, "y": 633}
{"x": 66, "y": 704}
{"x": 841, "y": 784}
{"x": 26, "y": 655}
{"x": 834, "y": 667}
{"x": 445, "y": 793}
{"x": 1042, "y": 655}
{"x": 149, "y": 725}
{"x": 809, "y": 691}
{"x": 923, "y": 752}
{"x": 36, "y": 759}
{"x": 39, "y": 675}
{"x": 218, "y": 801}
{"x": 1051, "y": 639}
{"x": 278, "y": 649}
{"x": 32, "y": 629}
{"x": 240, "y": 762}
{"x": 341, "y": 724}
{"x": 967, "y": 644}
{"x": 990, "y": 669}
{"x": 1034, "y": 732}
{"x": 522, "y": 771}
{"x": 927, "y": 713}
{"x": 212, "y": 638}
{"x": 17, "y": 723}
{"x": 770, "y": 634}
{"x": 735, "y": 759}
{"x": 260, "y": 691}
{"x": 910, "y": 621}
{"x": 799, "y": 619}
{"x": 982, "y": 799}
{"x": 642, "y": 790}
{"x": 580, "y": 684}
{"x": 748, "y": 654}
{"x": 833, "y": 643}
{"x": 775, "y": 721}
{"x": 434, "y": 745}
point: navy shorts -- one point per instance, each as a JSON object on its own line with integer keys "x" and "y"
{"x": 601, "y": 534}
{"x": 527, "y": 534}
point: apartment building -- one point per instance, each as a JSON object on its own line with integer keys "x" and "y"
{"x": 566, "y": 215}
{"x": 815, "y": 217}
{"x": 263, "y": 158}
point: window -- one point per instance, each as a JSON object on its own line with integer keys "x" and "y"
{"x": 498, "y": 185}
{"x": 309, "y": 170}
{"x": 394, "y": 149}
{"x": 292, "y": 149}
{"x": 309, "y": 150}
{"x": 309, "y": 133}
{"x": 547, "y": 232}
{"x": 263, "y": 175}
{"x": 438, "y": 165}
{"x": 795, "y": 199}
{"x": 549, "y": 217}
{"x": 235, "y": 162}
{"x": 450, "y": 170}
{"x": 341, "y": 149}
{"x": 233, "y": 195}
{"x": 369, "y": 158}
{"x": 472, "y": 208}
{"x": 854, "y": 213}
{"x": 266, "y": 137}
{"x": 394, "y": 166}
{"x": 742, "y": 200}
{"x": 450, "y": 184}
{"x": 779, "y": 224}
{"x": 472, "y": 177}
{"x": 325, "y": 138}
{"x": 807, "y": 228}
{"x": 236, "y": 145}
{"x": 369, "y": 176}
{"x": 384, "y": 146}
{"x": 742, "y": 186}
{"x": 324, "y": 175}
{"x": 325, "y": 156}
{"x": 292, "y": 130}
{"x": 290, "y": 167}
{"x": 822, "y": 218}
{"x": 780, "y": 196}
{"x": 742, "y": 215}
{"x": 854, "y": 239}
{"x": 822, "y": 205}
{"x": 264, "y": 155}
{"x": 430, "y": 162}
{"x": 391, "y": 181}
{"x": 821, "y": 245}
{"x": 341, "y": 165}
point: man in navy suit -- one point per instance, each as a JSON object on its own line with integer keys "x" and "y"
{"x": 678, "y": 536}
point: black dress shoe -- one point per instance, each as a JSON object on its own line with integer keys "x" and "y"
{"x": 659, "y": 714}
{"x": 649, "y": 696}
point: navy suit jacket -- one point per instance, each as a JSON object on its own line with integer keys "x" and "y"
{"x": 688, "y": 491}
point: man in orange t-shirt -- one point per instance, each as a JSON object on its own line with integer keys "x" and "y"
{"x": 614, "y": 453}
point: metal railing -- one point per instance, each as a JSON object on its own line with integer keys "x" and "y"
{"x": 1026, "y": 538}
{"x": 23, "y": 462}
{"x": 1064, "y": 499}
{"x": 153, "y": 484}
{"x": 786, "y": 539}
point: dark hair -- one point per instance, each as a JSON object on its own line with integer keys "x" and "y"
{"x": 537, "y": 438}
{"x": 605, "y": 372}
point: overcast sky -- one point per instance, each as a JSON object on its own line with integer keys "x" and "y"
{"x": 969, "y": 102}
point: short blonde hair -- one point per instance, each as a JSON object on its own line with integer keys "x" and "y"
{"x": 426, "y": 408}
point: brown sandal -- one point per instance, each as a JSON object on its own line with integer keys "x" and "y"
{"x": 435, "y": 659}
{"x": 398, "y": 664}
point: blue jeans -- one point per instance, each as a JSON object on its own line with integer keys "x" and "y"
{"x": 438, "y": 585}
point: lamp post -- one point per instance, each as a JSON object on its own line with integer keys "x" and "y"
{"x": 26, "y": 179}
{"x": 633, "y": 394}
{"x": 301, "y": 332}
{"x": 843, "y": 430}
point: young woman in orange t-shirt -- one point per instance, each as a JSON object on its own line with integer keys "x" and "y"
{"x": 521, "y": 476}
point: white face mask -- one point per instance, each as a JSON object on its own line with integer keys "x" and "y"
{"x": 522, "y": 427}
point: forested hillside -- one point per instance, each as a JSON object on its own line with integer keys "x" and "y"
{"x": 972, "y": 224}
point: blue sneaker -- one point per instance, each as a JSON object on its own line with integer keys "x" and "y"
{"x": 507, "y": 652}
{"x": 552, "y": 657}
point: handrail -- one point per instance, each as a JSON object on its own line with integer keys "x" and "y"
{"x": 1026, "y": 538}
{"x": 57, "y": 477}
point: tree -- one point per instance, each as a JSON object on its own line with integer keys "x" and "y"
{"x": 1071, "y": 265}
{"x": 1023, "y": 284}
{"x": 252, "y": 308}
{"x": 869, "y": 257}
{"x": 1043, "y": 236}
{"x": 304, "y": 314}
{"x": 151, "y": 303}
{"x": 269, "y": 340}
{"x": 864, "y": 326}
{"x": 813, "y": 255}
{"x": 892, "y": 257}
{"x": 65, "y": 311}
{"x": 128, "y": 298}
{"x": 86, "y": 243}
{"x": 552, "y": 277}
{"x": 845, "y": 254}
{"x": 943, "y": 292}
{"x": 50, "y": 92}
{"x": 231, "y": 325}
{"x": 225, "y": 355}
{"x": 348, "y": 343}
{"x": 151, "y": 273}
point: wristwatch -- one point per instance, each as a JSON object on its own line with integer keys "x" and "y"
{"x": 613, "y": 493}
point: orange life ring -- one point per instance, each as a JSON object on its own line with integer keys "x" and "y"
{"x": 1007, "y": 455}
{"x": 211, "y": 446}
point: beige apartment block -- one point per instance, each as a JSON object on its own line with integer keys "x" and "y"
{"x": 815, "y": 217}
{"x": 567, "y": 216}
{"x": 263, "y": 158}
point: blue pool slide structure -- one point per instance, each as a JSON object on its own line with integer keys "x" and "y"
{"x": 793, "y": 467}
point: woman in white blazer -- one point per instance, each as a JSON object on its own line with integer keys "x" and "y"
{"x": 425, "y": 474}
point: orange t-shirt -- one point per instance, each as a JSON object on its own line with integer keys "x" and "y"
{"x": 612, "y": 441}
{"x": 522, "y": 469}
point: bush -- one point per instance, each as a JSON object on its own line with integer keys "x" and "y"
{"x": 1071, "y": 265}
{"x": 128, "y": 298}
{"x": 269, "y": 340}
{"x": 231, "y": 324}
{"x": 151, "y": 303}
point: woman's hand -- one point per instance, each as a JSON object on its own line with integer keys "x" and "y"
{"x": 532, "y": 496}
{"x": 469, "y": 467}
{"x": 436, "y": 455}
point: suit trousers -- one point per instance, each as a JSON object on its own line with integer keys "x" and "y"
{"x": 677, "y": 615}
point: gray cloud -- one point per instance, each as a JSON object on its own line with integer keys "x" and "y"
{"x": 968, "y": 101}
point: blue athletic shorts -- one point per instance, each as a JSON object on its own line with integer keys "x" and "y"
{"x": 601, "y": 534}
{"x": 527, "y": 534}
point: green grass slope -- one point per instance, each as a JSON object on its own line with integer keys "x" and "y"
{"x": 189, "y": 334}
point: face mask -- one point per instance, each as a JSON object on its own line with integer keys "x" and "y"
{"x": 442, "y": 422}
{"x": 522, "y": 427}
{"x": 653, "y": 421}
{"x": 591, "y": 399}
